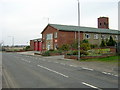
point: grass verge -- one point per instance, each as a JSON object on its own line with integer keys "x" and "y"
{"x": 106, "y": 59}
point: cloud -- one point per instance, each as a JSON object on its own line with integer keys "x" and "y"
{"x": 25, "y": 19}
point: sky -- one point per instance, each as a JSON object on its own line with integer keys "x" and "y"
{"x": 25, "y": 19}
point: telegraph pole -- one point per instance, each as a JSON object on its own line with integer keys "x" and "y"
{"x": 12, "y": 40}
{"x": 78, "y": 30}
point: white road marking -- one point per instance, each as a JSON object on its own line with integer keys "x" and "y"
{"x": 62, "y": 63}
{"x": 87, "y": 68}
{"x": 56, "y": 62}
{"x": 116, "y": 75}
{"x": 49, "y": 61}
{"x": 72, "y": 65}
{"x": 110, "y": 74}
{"x": 53, "y": 71}
{"x": 91, "y": 85}
{"x": 26, "y": 60}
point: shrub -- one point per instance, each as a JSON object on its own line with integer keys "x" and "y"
{"x": 75, "y": 52}
{"x": 85, "y": 46}
{"x": 46, "y": 53}
{"x": 103, "y": 43}
{"x": 85, "y": 41}
{"x": 82, "y": 52}
{"x": 51, "y": 50}
{"x": 93, "y": 45}
{"x": 27, "y": 48}
{"x": 64, "y": 47}
{"x": 111, "y": 42}
{"x": 74, "y": 45}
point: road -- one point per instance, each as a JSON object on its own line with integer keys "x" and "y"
{"x": 23, "y": 71}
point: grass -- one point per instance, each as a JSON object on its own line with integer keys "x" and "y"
{"x": 106, "y": 59}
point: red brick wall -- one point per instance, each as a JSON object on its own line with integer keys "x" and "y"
{"x": 103, "y": 20}
{"x": 48, "y": 30}
{"x": 64, "y": 37}
{"x": 32, "y": 44}
{"x": 86, "y": 57}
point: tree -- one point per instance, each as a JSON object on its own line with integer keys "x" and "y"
{"x": 103, "y": 43}
{"x": 111, "y": 42}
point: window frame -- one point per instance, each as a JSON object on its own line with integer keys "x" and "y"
{"x": 55, "y": 34}
{"x": 49, "y": 36}
{"x": 96, "y": 36}
{"x": 87, "y": 35}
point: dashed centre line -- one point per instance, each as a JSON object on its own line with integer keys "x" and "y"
{"x": 53, "y": 71}
{"x": 91, "y": 86}
{"x": 87, "y": 68}
{"x": 107, "y": 73}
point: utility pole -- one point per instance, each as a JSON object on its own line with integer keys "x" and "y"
{"x": 12, "y": 40}
{"x": 78, "y": 30}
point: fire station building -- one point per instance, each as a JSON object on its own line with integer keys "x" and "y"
{"x": 55, "y": 35}
{"x": 36, "y": 44}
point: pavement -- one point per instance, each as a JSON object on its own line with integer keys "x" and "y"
{"x": 34, "y": 71}
{"x": 107, "y": 67}
{"x": 28, "y": 52}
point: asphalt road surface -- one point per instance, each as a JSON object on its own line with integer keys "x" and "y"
{"x": 23, "y": 71}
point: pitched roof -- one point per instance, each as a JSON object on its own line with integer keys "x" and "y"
{"x": 84, "y": 29}
{"x": 38, "y": 39}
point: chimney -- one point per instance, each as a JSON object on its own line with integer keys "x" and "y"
{"x": 103, "y": 22}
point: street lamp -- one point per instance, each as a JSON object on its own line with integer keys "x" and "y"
{"x": 12, "y": 40}
{"x": 78, "y": 30}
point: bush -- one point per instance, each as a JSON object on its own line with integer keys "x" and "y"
{"x": 85, "y": 46}
{"x": 46, "y": 53}
{"x": 93, "y": 45}
{"x": 82, "y": 52}
{"x": 51, "y": 50}
{"x": 111, "y": 42}
{"x": 75, "y": 52}
{"x": 103, "y": 43}
{"x": 64, "y": 47}
{"x": 85, "y": 41}
{"x": 74, "y": 45}
{"x": 27, "y": 48}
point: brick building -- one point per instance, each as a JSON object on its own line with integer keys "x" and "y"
{"x": 55, "y": 35}
{"x": 36, "y": 44}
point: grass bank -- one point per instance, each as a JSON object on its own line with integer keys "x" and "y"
{"x": 106, "y": 59}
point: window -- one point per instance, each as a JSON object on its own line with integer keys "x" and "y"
{"x": 49, "y": 36}
{"x": 87, "y": 36}
{"x": 55, "y": 46}
{"x": 55, "y": 35}
{"x": 100, "y": 24}
{"x": 104, "y": 23}
{"x": 95, "y": 36}
{"x": 116, "y": 37}
{"x": 102, "y": 36}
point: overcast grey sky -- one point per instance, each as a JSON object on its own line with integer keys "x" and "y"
{"x": 25, "y": 19}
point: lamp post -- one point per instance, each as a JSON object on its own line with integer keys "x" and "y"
{"x": 12, "y": 40}
{"x": 78, "y": 30}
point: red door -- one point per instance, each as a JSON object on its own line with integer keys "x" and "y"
{"x": 39, "y": 46}
{"x": 36, "y": 46}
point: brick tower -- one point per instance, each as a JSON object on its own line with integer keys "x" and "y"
{"x": 103, "y": 22}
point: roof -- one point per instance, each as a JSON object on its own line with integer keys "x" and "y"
{"x": 84, "y": 29}
{"x": 38, "y": 39}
